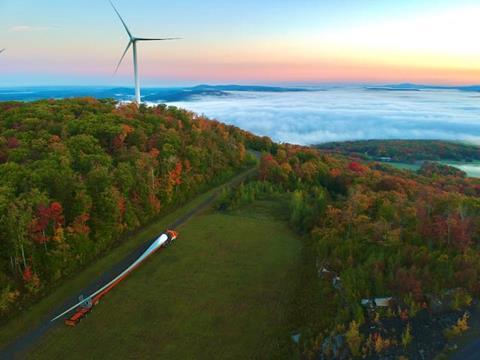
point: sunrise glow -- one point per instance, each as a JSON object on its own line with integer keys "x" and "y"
{"x": 304, "y": 41}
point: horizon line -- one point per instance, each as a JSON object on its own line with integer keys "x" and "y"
{"x": 265, "y": 84}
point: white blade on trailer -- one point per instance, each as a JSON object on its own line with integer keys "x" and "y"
{"x": 156, "y": 244}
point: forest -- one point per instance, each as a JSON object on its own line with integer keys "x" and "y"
{"x": 377, "y": 232}
{"x": 406, "y": 150}
{"x": 77, "y": 175}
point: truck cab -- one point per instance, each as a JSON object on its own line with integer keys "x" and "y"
{"x": 172, "y": 235}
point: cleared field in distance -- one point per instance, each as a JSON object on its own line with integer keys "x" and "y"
{"x": 224, "y": 290}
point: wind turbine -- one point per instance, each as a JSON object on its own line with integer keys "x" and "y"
{"x": 2, "y": 50}
{"x": 133, "y": 41}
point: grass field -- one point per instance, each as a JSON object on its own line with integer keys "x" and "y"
{"x": 405, "y": 166}
{"x": 224, "y": 290}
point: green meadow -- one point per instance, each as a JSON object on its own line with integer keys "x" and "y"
{"x": 224, "y": 290}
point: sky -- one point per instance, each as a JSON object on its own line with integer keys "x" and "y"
{"x": 79, "y": 42}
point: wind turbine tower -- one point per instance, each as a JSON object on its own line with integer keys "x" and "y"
{"x": 133, "y": 42}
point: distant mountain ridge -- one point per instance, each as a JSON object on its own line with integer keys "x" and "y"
{"x": 419, "y": 87}
{"x": 171, "y": 94}
{"x": 178, "y": 94}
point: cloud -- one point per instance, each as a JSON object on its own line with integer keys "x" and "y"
{"x": 348, "y": 114}
{"x": 27, "y": 28}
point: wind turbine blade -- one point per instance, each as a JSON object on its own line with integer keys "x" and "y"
{"x": 2, "y": 51}
{"x": 121, "y": 59}
{"x": 123, "y": 22}
{"x": 159, "y": 39}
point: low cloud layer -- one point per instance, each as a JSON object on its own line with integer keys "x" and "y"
{"x": 348, "y": 114}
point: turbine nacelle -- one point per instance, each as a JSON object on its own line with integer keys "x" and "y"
{"x": 133, "y": 41}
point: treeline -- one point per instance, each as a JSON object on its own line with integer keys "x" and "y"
{"x": 246, "y": 193}
{"x": 75, "y": 175}
{"x": 383, "y": 232}
{"x": 431, "y": 169}
{"x": 406, "y": 150}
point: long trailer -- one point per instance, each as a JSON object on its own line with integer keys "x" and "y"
{"x": 85, "y": 305}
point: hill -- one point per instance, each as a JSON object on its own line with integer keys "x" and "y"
{"x": 380, "y": 233}
{"x": 76, "y": 175}
{"x": 388, "y": 263}
{"x": 406, "y": 150}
